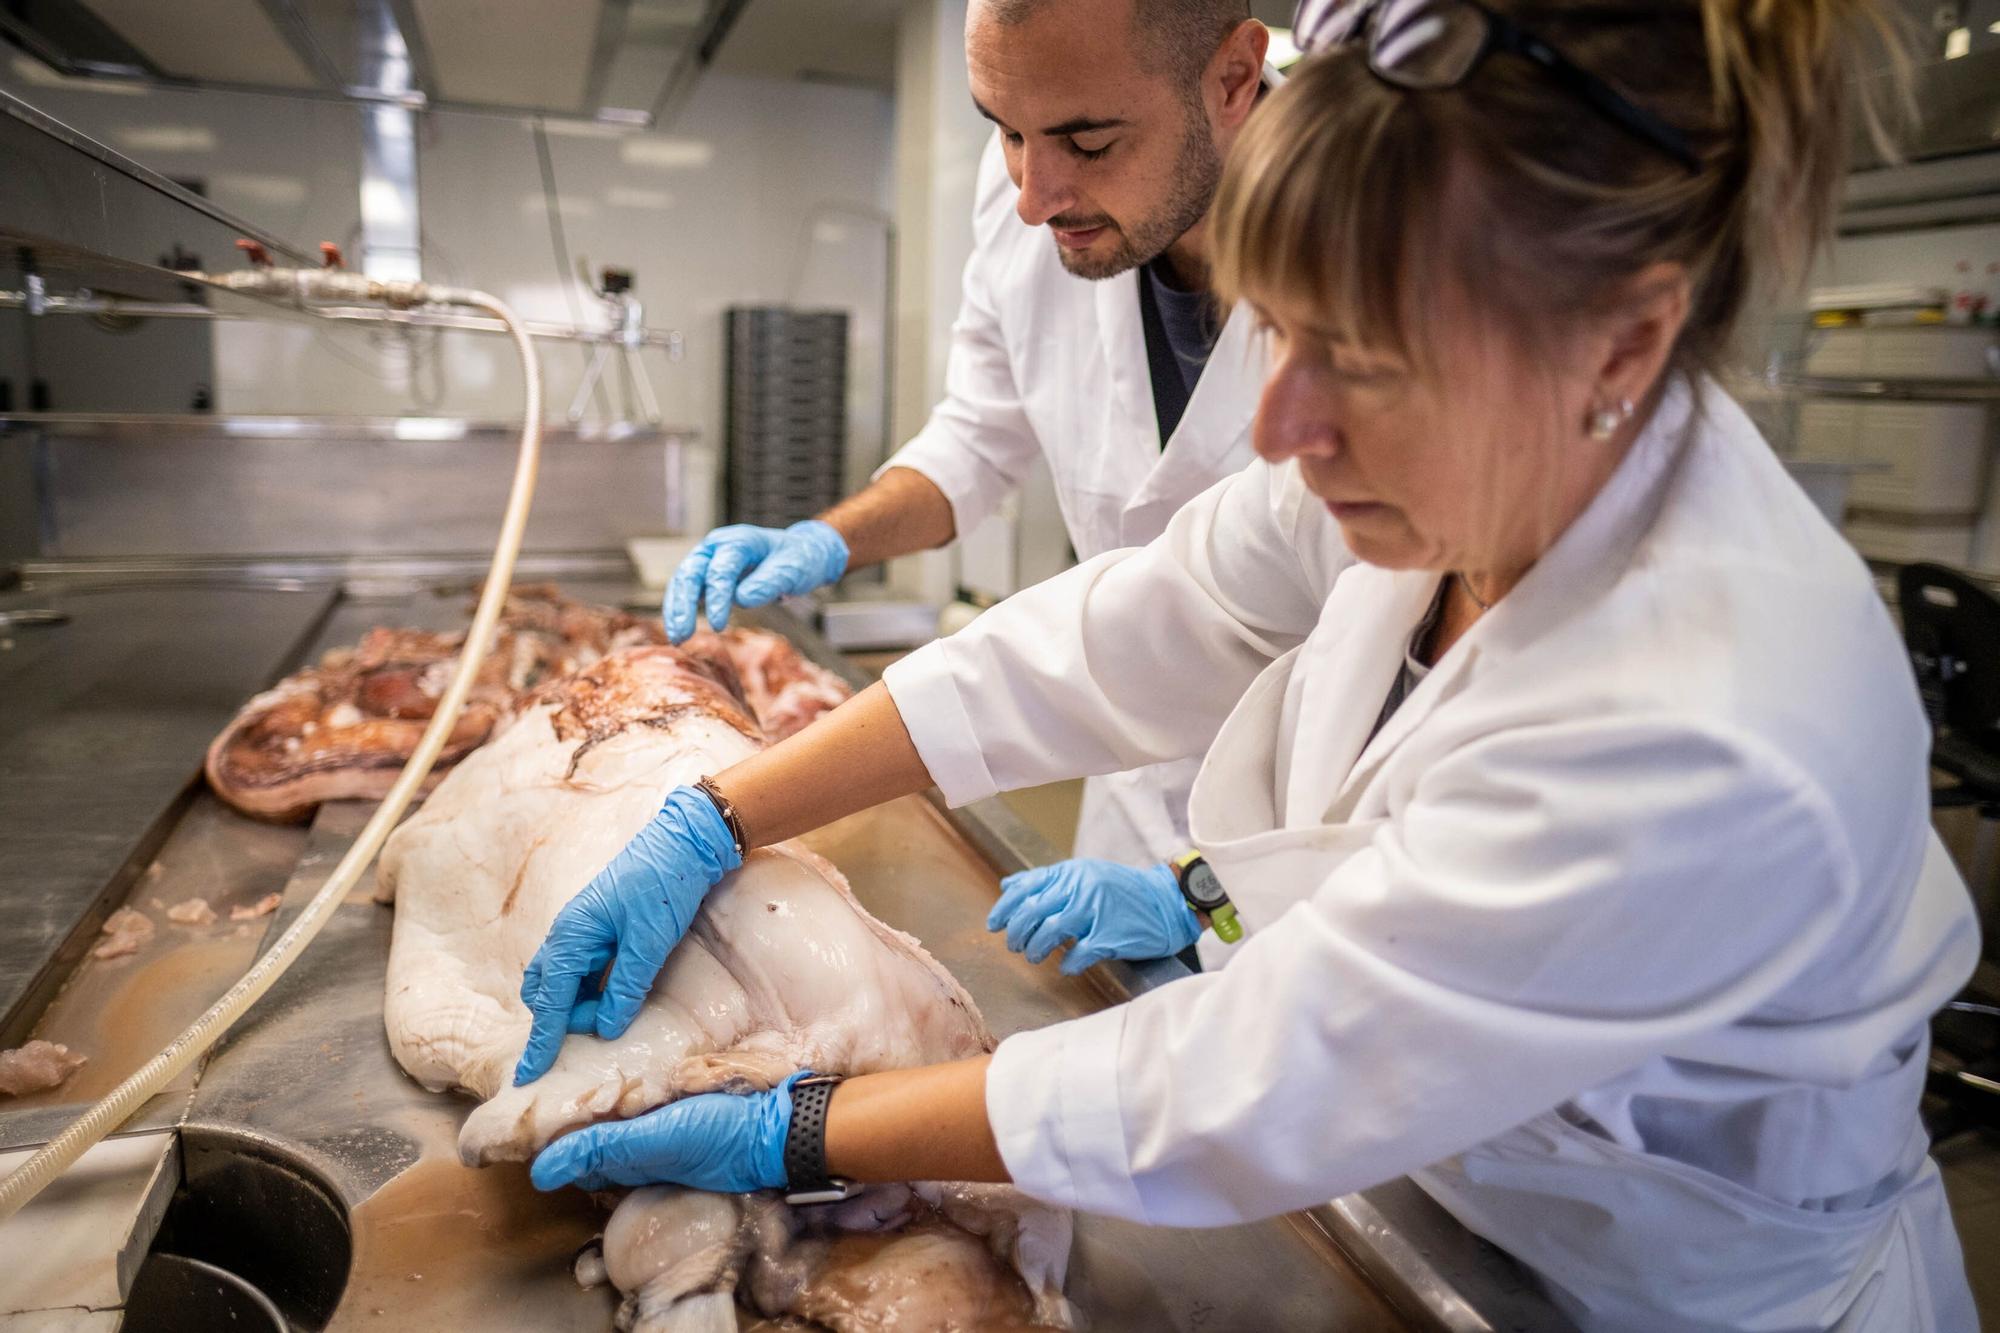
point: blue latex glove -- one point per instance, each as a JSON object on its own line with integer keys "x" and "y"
{"x": 630, "y": 915}
{"x": 779, "y": 562}
{"x": 718, "y": 1141}
{"x": 1110, "y": 910}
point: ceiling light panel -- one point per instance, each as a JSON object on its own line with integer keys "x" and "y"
{"x": 511, "y": 52}
{"x": 658, "y": 37}
{"x": 214, "y": 41}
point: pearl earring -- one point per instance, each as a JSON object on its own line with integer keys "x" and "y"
{"x": 1604, "y": 422}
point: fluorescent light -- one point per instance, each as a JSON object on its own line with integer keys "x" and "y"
{"x": 1283, "y": 49}
{"x": 429, "y": 428}
{"x": 1958, "y": 43}
{"x": 573, "y": 206}
{"x": 581, "y": 129}
{"x": 649, "y": 150}
{"x": 277, "y": 191}
{"x": 166, "y": 139}
{"x": 394, "y": 122}
{"x": 382, "y": 203}
{"x": 628, "y": 196}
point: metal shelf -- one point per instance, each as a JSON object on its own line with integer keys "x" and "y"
{"x": 1893, "y": 390}
{"x": 139, "y": 429}
{"x": 103, "y": 236}
{"x": 71, "y": 192}
{"x": 669, "y": 340}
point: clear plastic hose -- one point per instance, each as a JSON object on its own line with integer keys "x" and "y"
{"x": 56, "y": 1156}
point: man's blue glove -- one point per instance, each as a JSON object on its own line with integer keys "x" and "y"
{"x": 780, "y": 562}
{"x": 630, "y": 915}
{"x": 1110, "y": 910}
{"x": 718, "y": 1141}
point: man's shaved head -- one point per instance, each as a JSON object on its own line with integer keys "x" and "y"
{"x": 1175, "y": 37}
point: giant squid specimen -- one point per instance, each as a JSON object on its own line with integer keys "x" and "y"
{"x": 782, "y": 970}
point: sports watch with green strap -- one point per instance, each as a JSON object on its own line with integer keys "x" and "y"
{"x": 1204, "y": 894}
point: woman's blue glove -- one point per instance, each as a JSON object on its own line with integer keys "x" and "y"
{"x": 630, "y": 915}
{"x": 1110, "y": 910}
{"x": 718, "y": 1141}
{"x": 780, "y": 562}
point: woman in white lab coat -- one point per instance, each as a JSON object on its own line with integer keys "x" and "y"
{"x": 1563, "y": 765}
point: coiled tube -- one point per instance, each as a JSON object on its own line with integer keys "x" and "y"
{"x": 59, "y": 1153}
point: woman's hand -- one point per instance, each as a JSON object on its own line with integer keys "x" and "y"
{"x": 637, "y": 908}
{"x": 1109, "y": 910}
{"x": 718, "y": 1141}
{"x": 927, "y": 1123}
{"x": 630, "y": 916}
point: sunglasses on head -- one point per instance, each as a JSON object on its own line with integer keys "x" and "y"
{"x": 1430, "y": 45}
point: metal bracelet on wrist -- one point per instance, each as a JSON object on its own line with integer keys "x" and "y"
{"x": 807, "y": 1179}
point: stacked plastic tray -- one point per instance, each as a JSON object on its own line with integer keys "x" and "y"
{"x": 785, "y": 418}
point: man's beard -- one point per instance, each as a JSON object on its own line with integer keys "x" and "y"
{"x": 1196, "y": 173}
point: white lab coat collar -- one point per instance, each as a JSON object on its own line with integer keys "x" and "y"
{"x": 1589, "y": 556}
{"x": 1360, "y": 641}
{"x": 1212, "y": 427}
{"x": 1224, "y": 399}
{"x": 1593, "y": 553}
{"x": 1124, "y": 337}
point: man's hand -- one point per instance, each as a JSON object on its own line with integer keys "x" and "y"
{"x": 744, "y": 565}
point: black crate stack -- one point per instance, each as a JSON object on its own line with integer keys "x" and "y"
{"x": 786, "y": 414}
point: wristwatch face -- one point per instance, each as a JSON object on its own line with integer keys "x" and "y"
{"x": 1202, "y": 887}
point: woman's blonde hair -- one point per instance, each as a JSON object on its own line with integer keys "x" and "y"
{"x": 1377, "y": 203}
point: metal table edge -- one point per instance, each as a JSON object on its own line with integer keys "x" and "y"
{"x": 34, "y": 1126}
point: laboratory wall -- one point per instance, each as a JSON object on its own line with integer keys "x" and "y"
{"x": 1927, "y": 487}
{"x": 760, "y": 191}
{"x": 1947, "y": 257}
{"x": 940, "y": 139}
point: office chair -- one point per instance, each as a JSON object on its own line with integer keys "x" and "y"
{"x": 1951, "y": 626}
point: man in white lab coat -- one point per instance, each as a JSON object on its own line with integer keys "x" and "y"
{"x": 1085, "y": 335}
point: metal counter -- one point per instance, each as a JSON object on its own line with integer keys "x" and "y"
{"x": 103, "y": 721}
{"x": 312, "y": 1166}
{"x": 268, "y": 492}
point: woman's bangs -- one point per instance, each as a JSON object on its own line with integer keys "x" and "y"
{"x": 1316, "y": 208}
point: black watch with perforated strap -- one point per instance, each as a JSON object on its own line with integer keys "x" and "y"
{"x": 806, "y": 1177}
